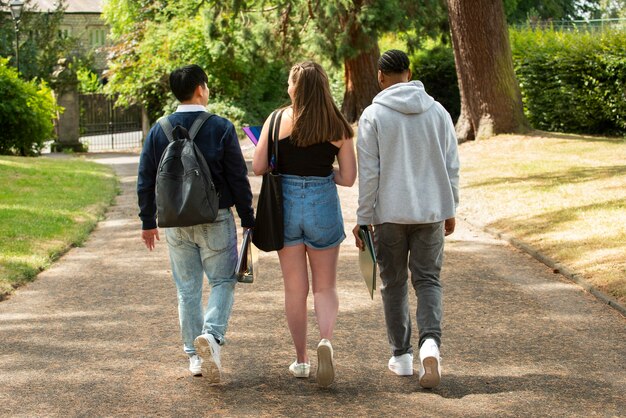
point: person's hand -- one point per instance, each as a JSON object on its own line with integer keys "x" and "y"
{"x": 148, "y": 236}
{"x": 357, "y": 238}
{"x": 449, "y": 225}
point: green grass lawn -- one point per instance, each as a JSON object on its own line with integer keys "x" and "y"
{"x": 46, "y": 206}
{"x": 563, "y": 194}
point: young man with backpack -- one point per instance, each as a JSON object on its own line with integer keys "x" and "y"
{"x": 207, "y": 248}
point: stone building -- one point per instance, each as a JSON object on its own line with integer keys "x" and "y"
{"x": 81, "y": 20}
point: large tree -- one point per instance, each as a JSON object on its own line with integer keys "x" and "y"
{"x": 491, "y": 102}
{"x": 348, "y": 32}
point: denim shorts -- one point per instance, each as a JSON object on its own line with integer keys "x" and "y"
{"x": 312, "y": 212}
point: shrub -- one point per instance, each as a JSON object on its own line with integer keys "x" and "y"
{"x": 226, "y": 110}
{"x": 572, "y": 81}
{"x": 27, "y": 110}
{"x": 434, "y": 66}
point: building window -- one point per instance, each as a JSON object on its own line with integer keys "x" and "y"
{"x": 97, "y": 37}
{"x": 65, "y": 33}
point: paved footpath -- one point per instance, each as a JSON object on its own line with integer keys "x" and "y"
{"x": 97, "y": 335}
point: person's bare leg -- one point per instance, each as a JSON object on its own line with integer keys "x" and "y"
{"x": 296, "y": 281}
{"x": 324, "y": 279}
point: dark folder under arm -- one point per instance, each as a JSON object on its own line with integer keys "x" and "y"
{"x": 248, "y": 257}
{"x": 367, "y": 259}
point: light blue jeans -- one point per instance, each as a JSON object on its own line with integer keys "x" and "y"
{"x": 209, "y": 249}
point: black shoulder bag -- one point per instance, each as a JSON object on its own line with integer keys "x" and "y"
{"x": 269, "y": 228}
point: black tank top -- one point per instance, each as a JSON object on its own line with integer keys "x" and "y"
{"x": 315, "y": 160}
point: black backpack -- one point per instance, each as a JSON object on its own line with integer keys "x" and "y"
{"x": 185, "y": 193}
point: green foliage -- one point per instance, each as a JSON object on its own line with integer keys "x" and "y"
{"x": 88, "y": 81}
{"x": 434, "y": 66}
{"x": 27, "y": 109}
{"x": 247, "y": 47}
{"x": 571, "y": 81}
{"x": 343, "y": 29}
{"x": 247, "y": 77}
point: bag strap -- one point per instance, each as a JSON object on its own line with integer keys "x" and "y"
{"x": 197, "y": 124}
{"x": 167, "y": 127}
{"x": 274, "y": 132}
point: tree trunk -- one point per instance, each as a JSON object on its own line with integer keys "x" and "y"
{"x": 491, "y": 102}
{"x": 361, "y": 70}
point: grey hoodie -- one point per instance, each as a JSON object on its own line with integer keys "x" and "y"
{"x": 408, "y": 159}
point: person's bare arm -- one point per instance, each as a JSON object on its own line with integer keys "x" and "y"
{"x": 346, "y": 174}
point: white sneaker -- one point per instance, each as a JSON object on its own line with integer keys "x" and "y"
{"x": 300, "y": 369}
{"x": 209, "y": 351}
{"x": 195, "y": 365}
{"x": 402, "y": 365}
{"x": 430, "y": 371}
{"x": 325, "y": 364}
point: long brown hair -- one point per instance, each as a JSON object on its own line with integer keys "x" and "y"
{"x": 316, "y": 118}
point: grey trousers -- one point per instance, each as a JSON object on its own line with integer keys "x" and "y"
{"x": 422, "y": 246}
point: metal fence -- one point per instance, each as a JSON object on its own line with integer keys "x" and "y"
{"x": 590, "y": 25}
{"x": 104, "y": 126}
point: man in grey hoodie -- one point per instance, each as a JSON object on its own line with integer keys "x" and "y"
{"x": 408, "y": 194}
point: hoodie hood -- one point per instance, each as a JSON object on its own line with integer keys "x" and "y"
{"x": 407, "y": 98}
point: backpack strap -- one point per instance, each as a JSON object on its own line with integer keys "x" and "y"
{"x": 197, "y": 124}
{"x": 167, "y": 127}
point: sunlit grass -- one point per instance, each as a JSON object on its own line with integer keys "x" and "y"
{"x": 563, "y": 194}
{"x": 46, "y": 206}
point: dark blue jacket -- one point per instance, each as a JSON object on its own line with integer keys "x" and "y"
{"x": 218, "y": 142}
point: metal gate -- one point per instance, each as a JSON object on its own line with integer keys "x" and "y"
{"x": 104, "y": 126}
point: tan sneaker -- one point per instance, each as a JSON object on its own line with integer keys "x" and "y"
{"x": 325, "y": 364}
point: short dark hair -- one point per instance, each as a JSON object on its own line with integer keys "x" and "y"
{"x": 184, "y": 80}
{"x": 393, "y": 61}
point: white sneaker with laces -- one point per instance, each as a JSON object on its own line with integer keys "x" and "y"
{"x": 300, "y": 369}
{"x": 195, "y": 365}
{"x": 208, "y": 350}
{"x": 325, "y": 364}
{"x": 430, "y": 369}
{"x": 402, "y": 365}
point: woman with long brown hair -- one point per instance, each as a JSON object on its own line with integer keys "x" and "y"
{"x": 313, "y": 132}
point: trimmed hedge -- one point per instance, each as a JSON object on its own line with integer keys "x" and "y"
{"x": 27, "y": 109}
{"x": 572, "y": 81}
